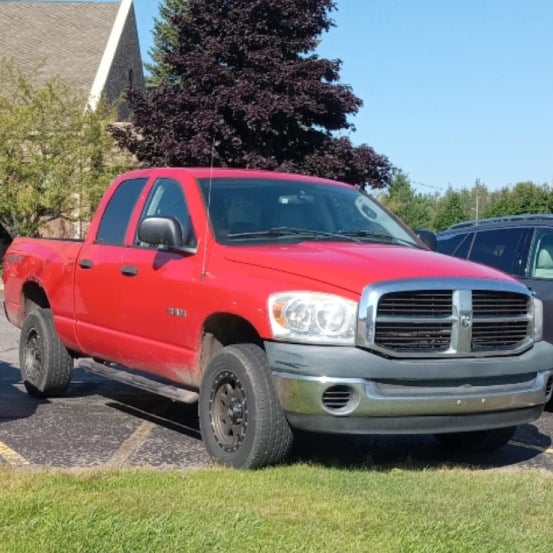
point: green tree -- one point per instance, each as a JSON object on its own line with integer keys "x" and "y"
{"x": 413, "y": 208}
{"x": 524, "y": 197}
{"x": 165, "y": 41}
{"x": 56, "y": 158}
{"x": 443, "y": 210}
{"x": 451, "y": 209}
{"x": 244, "y": 87}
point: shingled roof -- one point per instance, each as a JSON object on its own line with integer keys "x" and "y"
{"x": 91, "y": 44}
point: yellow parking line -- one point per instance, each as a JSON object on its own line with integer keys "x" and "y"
{"x": 131, "y": 445}
{"x": 547, "y": 451}
{"x": 12, "y": 457}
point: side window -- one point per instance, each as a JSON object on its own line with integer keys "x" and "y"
{"x": 117, "y": 214}
{"x": 542, "y": 261}
{"x": 497, "y": 248}
{"x": 462, "y": 249}
{"x": 456, "y": 244}
{"x": 167, "y": 200}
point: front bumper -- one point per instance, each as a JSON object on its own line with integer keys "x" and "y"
{"x": 350, "y": 390}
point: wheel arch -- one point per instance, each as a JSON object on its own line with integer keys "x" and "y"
{"x": 224, "y": 329}
{"x": 34, "y": 296}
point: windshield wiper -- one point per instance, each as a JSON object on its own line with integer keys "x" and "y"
{"x": 378, "y": 237}
{"x": 353, "y": 236}
{"x": 283, "y": 232}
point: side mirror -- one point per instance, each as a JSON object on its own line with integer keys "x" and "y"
{"x": 166, "y": 232}
{"x": 428, "y": 238}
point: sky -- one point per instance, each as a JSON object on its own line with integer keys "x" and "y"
{"x": 453, "y": 91}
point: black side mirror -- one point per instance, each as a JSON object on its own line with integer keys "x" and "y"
{"x": 428, "y": 238}
{"x": 166, "y": 232}
{"x": 160, "y": 231}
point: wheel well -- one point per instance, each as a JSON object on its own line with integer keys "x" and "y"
{"x": 33, "y": 297}
{"x": 223, "y": 329}
{"x": 5, "y": 241}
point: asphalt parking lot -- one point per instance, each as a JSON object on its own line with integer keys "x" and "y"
{"x": 100, "y": 423}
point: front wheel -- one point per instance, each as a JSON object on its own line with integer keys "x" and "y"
{"x": 477, "y": 440}
{"x": 241, "y": 421}
{"x": 46, "y": 366}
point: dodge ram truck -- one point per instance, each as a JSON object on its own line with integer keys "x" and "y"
{"x": 279, "y": 303}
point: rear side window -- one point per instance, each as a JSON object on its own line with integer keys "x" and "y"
{"x": 542, "y": 261}
{"x": 115, "y": 220}
{"x": 498, "y": 248}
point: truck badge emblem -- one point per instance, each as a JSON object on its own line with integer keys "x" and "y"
{"x": 466, "y": 320}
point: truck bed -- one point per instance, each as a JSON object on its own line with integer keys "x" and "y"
{"x": 47, "y": 262}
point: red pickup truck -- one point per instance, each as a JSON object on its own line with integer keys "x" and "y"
{"x": 279, "y": 302}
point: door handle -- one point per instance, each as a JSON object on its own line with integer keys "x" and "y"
{"x": 85, "y": 263}
{"x": 129, "y": 270}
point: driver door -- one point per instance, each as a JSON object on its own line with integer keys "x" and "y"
{"x": 157, "y": 297}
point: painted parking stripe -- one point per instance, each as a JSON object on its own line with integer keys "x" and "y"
{"x": 11, "y": 457}
{"x": 547, "y": 451}
{"x": 131, "y": 445}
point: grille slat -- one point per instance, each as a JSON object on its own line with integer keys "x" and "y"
{"x": 498, "y": 303}
{"x": 419, "y": 304}
{"x": 435, "y": 337}
{"x": 490, "y": 336}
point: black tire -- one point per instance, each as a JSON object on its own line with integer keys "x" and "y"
{"x": 477, "y": 440}
{"x": 46, "y": 366}
{"x": 241, "y": 421}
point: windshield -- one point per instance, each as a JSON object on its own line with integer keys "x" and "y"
{"x": 262, "y": 210}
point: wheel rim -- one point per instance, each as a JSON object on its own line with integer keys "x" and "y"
{"x": 228, "y": 411}
{"x": 33, "y": 355}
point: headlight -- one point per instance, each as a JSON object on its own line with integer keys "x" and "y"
{"x": 312, "y": 317}
{"x": 538, "y": 319}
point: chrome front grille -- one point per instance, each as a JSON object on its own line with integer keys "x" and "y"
{"x": 446, "y": 318}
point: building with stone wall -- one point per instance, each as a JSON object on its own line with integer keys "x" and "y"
{"x": 93, "y": 45}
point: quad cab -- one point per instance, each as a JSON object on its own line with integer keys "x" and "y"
{"x": 278, "y": 303}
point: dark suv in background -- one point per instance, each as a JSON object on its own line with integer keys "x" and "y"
{"x": 521, "y": 245}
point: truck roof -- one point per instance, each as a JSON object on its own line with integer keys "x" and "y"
{"x": 226, "y": 172}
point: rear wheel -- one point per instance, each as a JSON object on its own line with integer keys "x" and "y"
{"x": 46, "y": 366}
{"x": 477, "y": 440}
{"x": 241, "y": 421}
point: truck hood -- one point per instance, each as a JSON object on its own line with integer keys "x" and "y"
{"x": 351, "y": 266}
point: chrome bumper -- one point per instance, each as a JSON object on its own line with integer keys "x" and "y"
{"x": 361, "y": 398}
{"x": 377, "y": 408}
{"x": 353, "y": 391}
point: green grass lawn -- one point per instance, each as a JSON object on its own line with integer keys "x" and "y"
{"x": 285, "y": 509}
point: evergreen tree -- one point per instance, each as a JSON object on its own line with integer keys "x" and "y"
{"x": 165, "y": 40}
{"x": 524, "y": 197}
{"x": 242, "y": 86}
{"x": 451, "y": 209}
{"x": 414, "y": 209}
